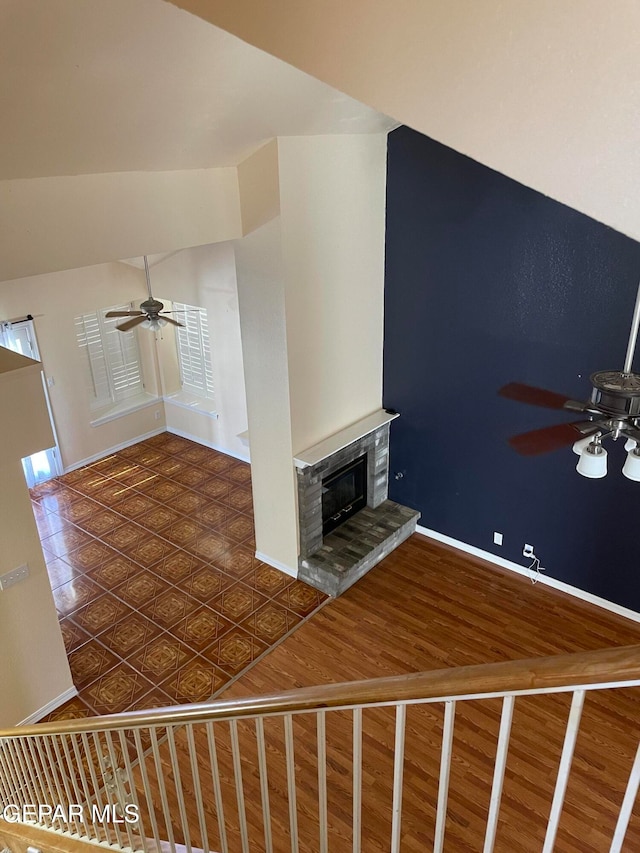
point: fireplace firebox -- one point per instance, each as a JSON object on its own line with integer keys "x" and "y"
{"x": 344, "y": 493}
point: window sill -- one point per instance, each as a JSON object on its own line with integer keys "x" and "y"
{"x": 126, "y": 407}
{"x": 185, "y": 400}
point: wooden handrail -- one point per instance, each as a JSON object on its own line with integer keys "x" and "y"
{"x": 604, "y": 666}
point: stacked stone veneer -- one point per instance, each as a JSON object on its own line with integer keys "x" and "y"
{"x": 335, "y": 562}
{"x": 376, "y": 447}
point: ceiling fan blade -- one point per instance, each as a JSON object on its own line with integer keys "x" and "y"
{"x": 545, "y": 440}
{"x": 173, "y": 322}
{"x": 129, "y": 324}
{"x": 522, "y": 393}
{"x": 123, "y": 313}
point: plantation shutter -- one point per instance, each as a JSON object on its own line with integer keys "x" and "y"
{"x": 113, "y": 360}
{"x": 123, "y": 358}
{"x": 97, "y": 375}
{"x": 194, "y": 350}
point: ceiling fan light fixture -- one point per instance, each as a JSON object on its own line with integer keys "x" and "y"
{"x": 630, "y": 444}
{"x": 581, "y": 443}
{"x": 593, "y": 461}
{"x": 154, "y": 323}
{"x": 631, "y": 467}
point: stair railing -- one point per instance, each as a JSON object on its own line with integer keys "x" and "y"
{"x": 236, "y": 775}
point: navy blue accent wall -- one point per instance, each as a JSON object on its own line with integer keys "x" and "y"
{"x": 489, "y": 282}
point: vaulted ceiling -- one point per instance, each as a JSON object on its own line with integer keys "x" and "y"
{"x": 546, "y": 92}
{"x": 88, "y": 86}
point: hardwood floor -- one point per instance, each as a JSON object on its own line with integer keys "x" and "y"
{"x": 426, "y": 607}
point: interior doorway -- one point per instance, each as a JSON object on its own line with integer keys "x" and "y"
{"x": 20, "y": 336}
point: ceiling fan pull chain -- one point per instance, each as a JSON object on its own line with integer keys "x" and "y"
{"x": 633, "y": 336}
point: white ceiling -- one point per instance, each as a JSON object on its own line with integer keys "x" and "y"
{"x": 90, "y": 86}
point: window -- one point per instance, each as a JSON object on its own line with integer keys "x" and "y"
{"x": 113, "y": 360}
{"x": 194, "y": 350}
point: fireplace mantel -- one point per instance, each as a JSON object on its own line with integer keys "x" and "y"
{"x": 343, "y": 438}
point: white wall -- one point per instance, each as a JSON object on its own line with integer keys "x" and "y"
{"x": 259, "y": 187}
{"x": 311, "y": 309}
{"x": 544, "y": 92}
{"x": 54, "y": 300}
{"x": 50, "y": 224}
{"x": 33, "y": 664}
{"x": 332, "y": 201}
{"x": 264, "y": 342}
{"x": 206, "y": 276}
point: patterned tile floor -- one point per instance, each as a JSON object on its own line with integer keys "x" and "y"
{"x": 161, "y": 601}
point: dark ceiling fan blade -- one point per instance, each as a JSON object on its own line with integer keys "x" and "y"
{"x": 545, "y": 440}
{"x": 129, "y": 324}
{"x": 123, "y": 313}
{"x": 522, "y": 393}
{"x": 173, "y": 322}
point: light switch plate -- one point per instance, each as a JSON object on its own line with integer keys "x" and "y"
{"x": 14, "y": 576}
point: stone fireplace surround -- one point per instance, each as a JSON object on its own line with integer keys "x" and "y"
{"x": 334, "y": 562}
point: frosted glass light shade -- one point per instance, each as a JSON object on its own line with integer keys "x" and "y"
{"x": 631, "y": 468}
{"x": 581, "y": 443}
{"x": 155, "y": 323}
{"x": 630, "y": 444}
{"x": 592, "y": 465}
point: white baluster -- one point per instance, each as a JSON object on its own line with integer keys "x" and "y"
{"x": 322, "y": 778}
{"x": 571, "y": 734}
{"x": 627, "y": 805}
{"x": 445, "y": 769}
{"x": 55, "y": 769}
{"x": 237, "y": 772}
{"x": 133, "y": 797}
{"x": 77, "y": 796}
{"x": 498, "y": 773}
{"x": 398, "y": 776}
{"x": 197, "y": 788}
{"x": 119, "y": 790}
{"x": 357, "y": 779}
{"x": 217, "y": 790}
{"x": 166, "y": 814}
{"x": 178, "y": 786}
{"x": 264, "y": 785}
{"x": 142, "y": 764}
{"x": 291, "y": 781}
{"x": 94, "y": 781}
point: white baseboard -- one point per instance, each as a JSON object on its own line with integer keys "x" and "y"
{"x": 109, "y": 450}
{"x": 49, "y": 707}
{"x": 276, "y": 564}
{"x": 522, "y": 570}
{"x": 183, "y": 434}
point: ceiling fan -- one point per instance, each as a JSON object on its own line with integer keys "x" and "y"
{"x": 151, "y": 312}
{"x": 612, "y": 411}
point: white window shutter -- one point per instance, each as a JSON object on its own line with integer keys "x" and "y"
{"x": 194, "y": 350}
{"x": 113, "y": 360}
{"x": 90, "y": 339}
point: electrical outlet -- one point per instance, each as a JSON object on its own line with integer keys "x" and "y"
{"x": 14, "y": 576}
{"x": 497, "y": 538}
{"x": 156, "y": 415}
{"x": 527, "y": 551}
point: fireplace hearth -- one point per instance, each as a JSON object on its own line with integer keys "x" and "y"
{"x": 347, "y": 524}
